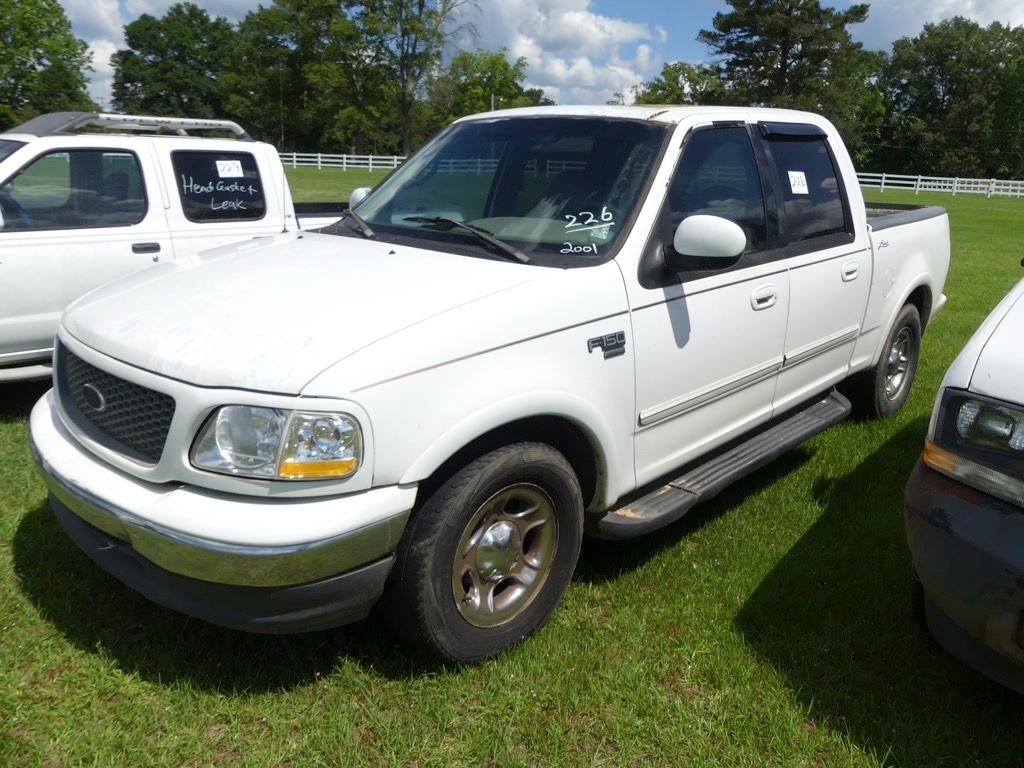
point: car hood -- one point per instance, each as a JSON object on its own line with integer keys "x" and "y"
{"x": 999, "y": 371}
{"x": 271, "y": 313}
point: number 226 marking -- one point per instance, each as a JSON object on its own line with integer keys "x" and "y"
{"x": 587, "y": 220}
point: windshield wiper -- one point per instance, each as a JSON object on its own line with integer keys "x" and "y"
{"x": 482, "y": 234}
{"x": 360, "y": 222}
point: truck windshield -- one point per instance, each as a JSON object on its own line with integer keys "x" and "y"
{"x": 7, "y": 148}
{"x": 561, "y": 190}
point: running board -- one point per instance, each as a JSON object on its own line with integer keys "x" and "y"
{"x": 669, "y": 502}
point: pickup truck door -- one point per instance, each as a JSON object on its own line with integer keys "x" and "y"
{"x": 74, "y": 218}
{"x": 222, "y": 196}
{"x": 709, "y": 339}
{"x": 829, "y": 265}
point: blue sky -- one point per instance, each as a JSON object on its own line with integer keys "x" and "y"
{"x": 578, "y": 51}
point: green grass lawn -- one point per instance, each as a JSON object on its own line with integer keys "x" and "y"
{"x": 770, "y": 627}
{"x": 328, "y": 186}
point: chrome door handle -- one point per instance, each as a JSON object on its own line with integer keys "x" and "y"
{"x": 763, "y": 298}
{"x": 850, "y": 270}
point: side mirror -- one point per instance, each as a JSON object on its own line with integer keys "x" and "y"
{"x": 358, "y": 195}
{"x": 709, "y": 237}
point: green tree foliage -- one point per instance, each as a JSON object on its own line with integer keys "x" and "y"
{"x": 42, "y": 64}
{"x": 476, "y": 81}
{"x": 955, "y": 101}
{"x": 407, "y": 39}
{"x": 682, "y": 83}
{"x": 173, "y": 64}
{"x": 797, "y": 54}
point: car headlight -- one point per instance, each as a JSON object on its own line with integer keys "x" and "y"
{"x": 980, "y": 441}
{"x": 273, "y": 443}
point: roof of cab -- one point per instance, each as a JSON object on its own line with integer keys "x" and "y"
{"x": 664, "y": 113}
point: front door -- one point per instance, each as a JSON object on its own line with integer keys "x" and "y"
{"x": 709, "y": 339}
{"x": 73, "y": 220}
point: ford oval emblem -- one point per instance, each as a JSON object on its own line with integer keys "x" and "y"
{"x": 93, "y": 397}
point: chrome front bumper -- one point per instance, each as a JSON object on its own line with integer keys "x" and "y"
{"x": 377, "y": 518}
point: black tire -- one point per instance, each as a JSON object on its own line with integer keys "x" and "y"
{"x": 871, "y": 391}
{"x": 516, "y": 511}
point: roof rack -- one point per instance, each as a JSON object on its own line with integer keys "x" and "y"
{"x": 58, "y": 123}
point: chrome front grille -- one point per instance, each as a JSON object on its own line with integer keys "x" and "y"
{"x": 124, "y": 417}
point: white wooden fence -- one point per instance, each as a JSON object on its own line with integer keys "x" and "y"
{"x": 342, "y": 162}
{"x": 957, "y": 186}
{"x": 880, "y": 181}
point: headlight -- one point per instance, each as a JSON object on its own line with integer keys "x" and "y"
{"x": 272, "y": 443}
{"x": 980, "y": 441}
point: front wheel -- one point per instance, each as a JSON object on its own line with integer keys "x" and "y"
{"x": 487, "y": 558}
{"x": 881, "y": 391}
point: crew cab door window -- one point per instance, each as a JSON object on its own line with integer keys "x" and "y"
{"x": 74, "y": 189}
{"x": 718, "y": 176}
{"x": 812, "y": 201}
{"x": 217, "y": 187}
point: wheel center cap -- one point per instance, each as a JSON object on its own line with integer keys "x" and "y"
{"x": 498, "y": 550}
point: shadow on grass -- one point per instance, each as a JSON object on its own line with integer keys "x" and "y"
{"x": 17, "y": 398}
{"x": 603, "y": 560}
{"x": 834, "y": 618}
{"x": 98, "y": 614}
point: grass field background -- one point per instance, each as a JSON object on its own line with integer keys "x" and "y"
{"x": 770, "y": 627}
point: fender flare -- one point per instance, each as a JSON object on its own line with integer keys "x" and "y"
{"x": 558, "y": 404}
{"x": 920, "y": 281}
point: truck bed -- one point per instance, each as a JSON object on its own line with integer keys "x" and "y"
{"x": 885, "y": 215}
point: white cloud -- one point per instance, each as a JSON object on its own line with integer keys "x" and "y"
{"x": 889, "y": 20}
{"x": 95, "y": 19}
{"x": 574, "y": 54}
{"x": 103, "y": 74}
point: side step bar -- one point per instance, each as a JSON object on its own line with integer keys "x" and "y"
{"x": 669, "y": 502}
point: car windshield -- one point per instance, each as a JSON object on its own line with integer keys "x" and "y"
{"x": 560, "y": 190}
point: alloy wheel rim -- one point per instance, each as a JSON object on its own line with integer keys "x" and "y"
{"x": 897, "y": 364}
{"x": 504, "y": 555}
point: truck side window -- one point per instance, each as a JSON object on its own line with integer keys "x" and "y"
{"x": 717, "y": 175}
{"x": 74, "y": 189}
{"x": 811, "y": 197}
{"x": 218, "y": 186}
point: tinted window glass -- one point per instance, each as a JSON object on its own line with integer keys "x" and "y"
{"x": 560, "y": 189}
{"x": 810, "y": 188}
{"x": 219, "y": 186}
{"x": 8, "y": 147}
{"x": 718, "y": 176}
{"x": 75, "y": 189}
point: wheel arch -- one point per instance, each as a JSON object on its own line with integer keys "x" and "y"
{"x": 579, "y": 439}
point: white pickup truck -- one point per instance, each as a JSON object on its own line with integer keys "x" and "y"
{"x": 83, "y": 202}
{"x": 547, "y": 321}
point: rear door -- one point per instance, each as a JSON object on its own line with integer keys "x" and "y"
{"x": 74, "y": 218}
{"x": 829, "y": 265}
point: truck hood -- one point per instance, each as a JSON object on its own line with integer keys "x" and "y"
{"x": 999, "y": 371}
{"x": 271, "y": 313}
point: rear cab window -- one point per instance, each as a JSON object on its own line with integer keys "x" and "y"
{"x": 815, "y": 211}
{"x": 75, "y": 189}
{"x": 218, "y": 187}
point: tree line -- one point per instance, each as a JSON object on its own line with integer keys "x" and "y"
{"x": 373, "y": 76}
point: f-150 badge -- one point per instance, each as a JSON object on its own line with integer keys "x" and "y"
{"x": 612, "y": 344}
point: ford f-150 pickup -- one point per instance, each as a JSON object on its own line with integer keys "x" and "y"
{"x": 547, "y": 321}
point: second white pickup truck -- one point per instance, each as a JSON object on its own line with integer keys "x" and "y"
{"x": 548, "y": 320}
{"x": 87, "y": 198}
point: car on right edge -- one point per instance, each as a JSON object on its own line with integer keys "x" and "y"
{"x": 965, "y": 503}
